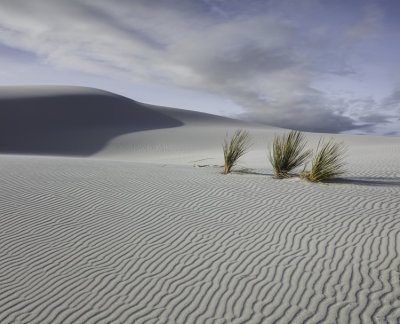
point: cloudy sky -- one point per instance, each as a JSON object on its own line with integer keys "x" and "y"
{"x": 315, "y": 65}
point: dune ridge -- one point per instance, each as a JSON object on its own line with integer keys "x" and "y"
{"x": 77, "y": 121}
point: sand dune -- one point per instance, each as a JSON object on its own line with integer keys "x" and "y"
{"x": 77, "y": 121}
{"x": 136, "y": 234}
{"x": 70, "y": 120}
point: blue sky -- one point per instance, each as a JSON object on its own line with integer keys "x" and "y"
{"x": 315, "y": 65}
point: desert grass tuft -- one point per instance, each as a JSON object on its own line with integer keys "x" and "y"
{"x": 327, "y": 162}
{"x": 235, "y": 147}
{"x": 288, "y": 152}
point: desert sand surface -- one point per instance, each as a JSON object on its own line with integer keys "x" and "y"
{"x": 114, "y": 211}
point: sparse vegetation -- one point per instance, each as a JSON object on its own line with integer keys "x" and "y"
{"x": 327, "y": 162}
{"x": 235, "y": 148}
{"x": 288, "y": 152}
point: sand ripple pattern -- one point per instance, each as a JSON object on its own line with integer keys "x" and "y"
{"x": 91, "y": 241}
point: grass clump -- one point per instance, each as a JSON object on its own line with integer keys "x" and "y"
{"x": 234, "y": 148}
{"x": 288, "y": 152}
{"x": 327, "y": 162}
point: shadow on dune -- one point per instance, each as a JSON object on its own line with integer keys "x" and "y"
{"x": 369, "y": 181}
{"x": 362, "y": 181}
{"x": 252, "y": 171}
{"x": 72, "y": 124}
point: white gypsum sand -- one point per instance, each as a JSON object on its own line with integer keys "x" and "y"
{"x": 128, "y": 231}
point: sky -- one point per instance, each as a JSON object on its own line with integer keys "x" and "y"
{"x": 312, "y": 65}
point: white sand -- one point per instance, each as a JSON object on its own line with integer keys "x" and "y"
{"x": 133, "y": 233}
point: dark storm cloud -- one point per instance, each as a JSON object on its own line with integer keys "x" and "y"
{"x": 309, "y": 113}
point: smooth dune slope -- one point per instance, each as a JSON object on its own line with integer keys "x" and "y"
{"x": 70, "y": 120}
{"x": 78, "y": 121}
{"x": 133, "y": 233}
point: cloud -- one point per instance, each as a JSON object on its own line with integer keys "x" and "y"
{"x": 370, "y": 24}
{"x": 256, "y": 55}
{"x": 392, "y": 102}
{"x": 376, "y": 117}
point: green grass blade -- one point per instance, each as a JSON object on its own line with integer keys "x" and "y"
{"x": 327, "y": 162}
{"x": 288, "y": 152}
{"x": 234, "y": 148}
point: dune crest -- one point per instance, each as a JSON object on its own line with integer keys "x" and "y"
{"x": 73, "y": 121}
{"x": 79, "y": 121}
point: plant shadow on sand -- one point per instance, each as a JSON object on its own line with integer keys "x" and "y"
{"x": 368, "y": 181}
{"x": 361, "y": 181}
{"x": 252, "y": 171}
